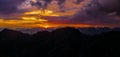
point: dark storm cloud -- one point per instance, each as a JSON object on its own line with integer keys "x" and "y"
{"x": 61, "y": 3}
{"x": 47, "y": 2}
{"x": 99, "y": 12}
{"x": 110, "y": 5}
{"x": 40, "y": 5}
{"x": 78, "y": 1}
{"x": 9, "y": 6}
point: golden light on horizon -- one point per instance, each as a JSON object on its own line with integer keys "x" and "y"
{"x": 29, "y": 18}
{"x": 13, "y": 24}
{"x": 33, "y": 19}
{"x": 46, "y": 26}
{"x": 41, "y": 13}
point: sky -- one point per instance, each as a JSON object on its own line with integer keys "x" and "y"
{"x": 59, "y": 13}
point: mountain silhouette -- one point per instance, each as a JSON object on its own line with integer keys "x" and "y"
{"x": 62, "y": 42}
{"x": 8, "y": 34}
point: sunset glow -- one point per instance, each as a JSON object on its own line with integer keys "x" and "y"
{"x": 33, "y": 19}
{"x": 41, "y": 13}
{"x": 46, "y": 26}
{"x": 58, "y": 13}
{"x": 39, "y": 24}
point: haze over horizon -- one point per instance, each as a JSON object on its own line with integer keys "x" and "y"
{"x": 59, "y": 13}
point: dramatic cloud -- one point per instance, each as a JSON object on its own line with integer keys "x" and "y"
{"x": 78, "y": 1}
{"x": 62, "y": 12}
{"x": 110, "y": 5}
{"x": 99, "y": 12}
{"x": 9, "y": 6}
{"x": 60, "y": 3}
{"x": 41, "y": 3}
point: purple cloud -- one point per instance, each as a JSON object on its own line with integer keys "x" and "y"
{"x": 98, "y": 12}
{"x": 9, "y": 6}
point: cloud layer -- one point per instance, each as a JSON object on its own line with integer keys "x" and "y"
{"x": 93, "y": 12}
{"x": 9, "y": 6}
{"x": 99, "y": 12}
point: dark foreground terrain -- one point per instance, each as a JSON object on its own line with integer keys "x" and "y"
{"x": 63, "y": 42}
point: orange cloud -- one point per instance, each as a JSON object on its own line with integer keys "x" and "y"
{"x": 48, "y": 18}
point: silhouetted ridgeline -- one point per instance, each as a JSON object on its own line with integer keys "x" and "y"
{"x": 63, "y": 42}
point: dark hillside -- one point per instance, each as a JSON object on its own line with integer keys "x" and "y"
{"x": 62, "y": 42}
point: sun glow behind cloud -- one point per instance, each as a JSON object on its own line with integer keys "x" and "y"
{"x": 35, "y": 24}
{"x": 36, "y": 21}
{"x": 28, "y": 21}
{"x": 37, "y": 15}
{"x": 33, "y": 19}
{"x": 41, "y": 13}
